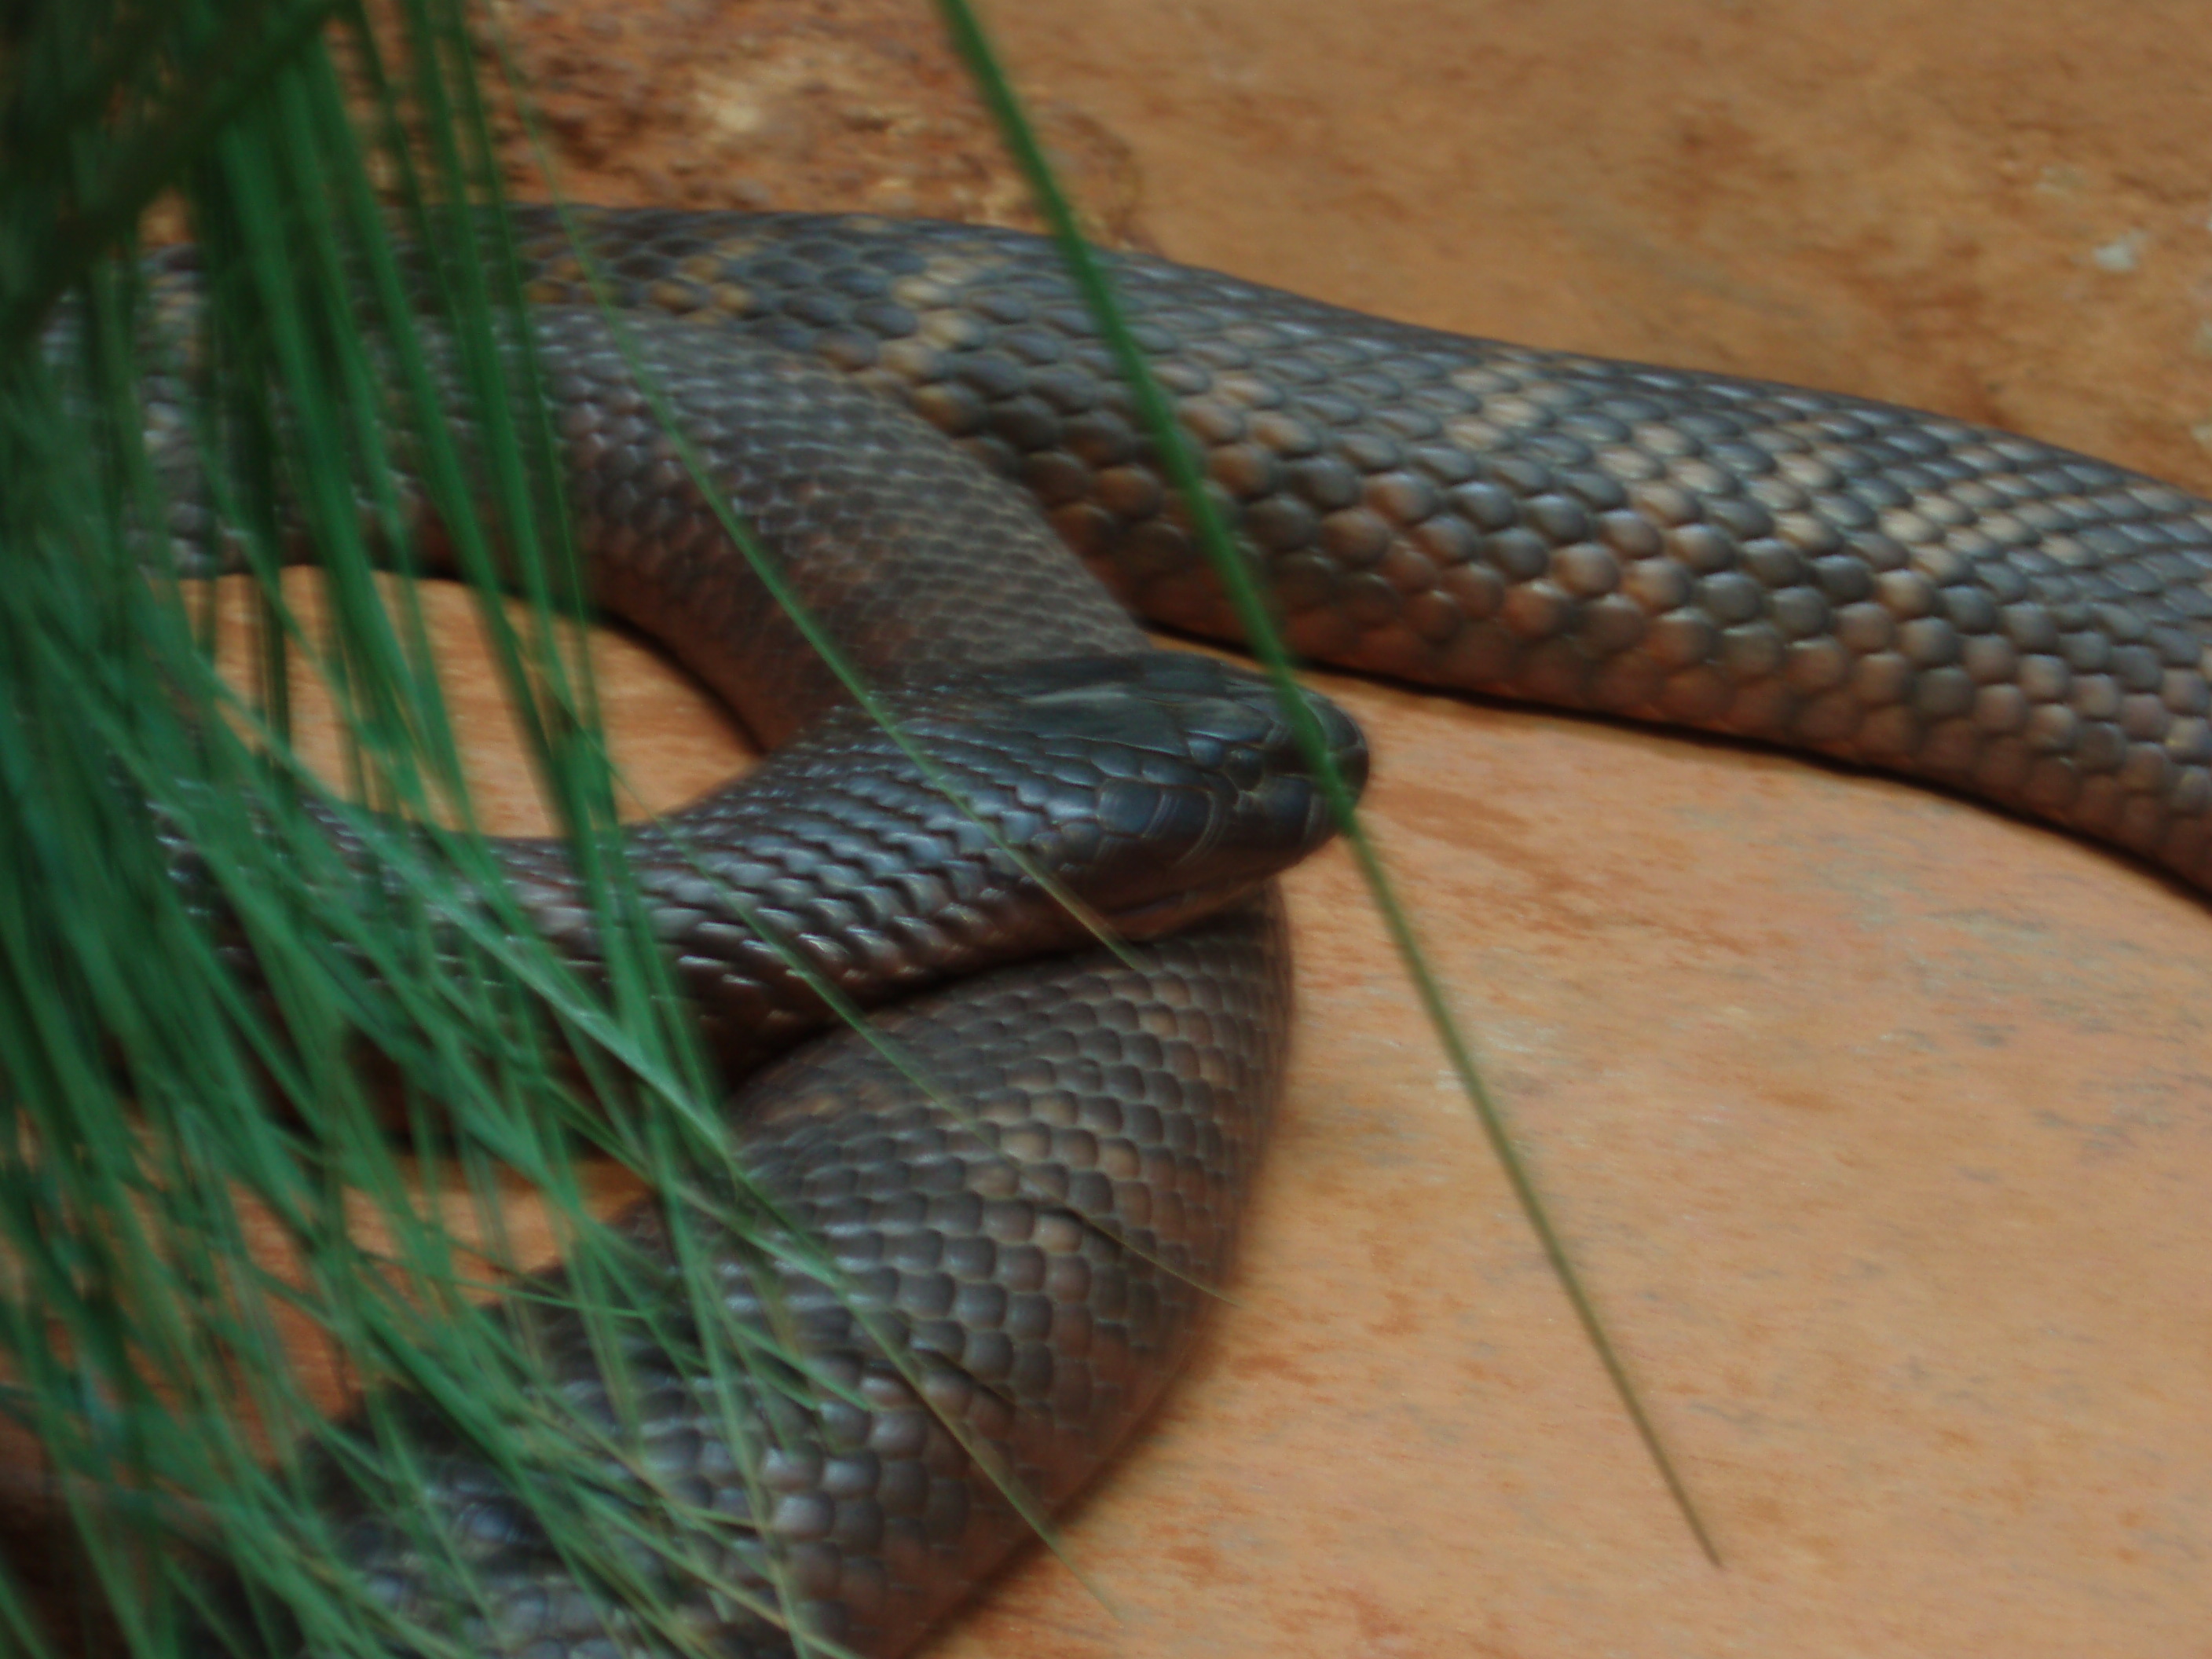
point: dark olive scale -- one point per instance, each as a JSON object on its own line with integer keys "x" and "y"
{"x": 1045, "y": 1259}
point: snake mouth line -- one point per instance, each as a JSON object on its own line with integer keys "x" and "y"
{"x": 1172, "y": 912}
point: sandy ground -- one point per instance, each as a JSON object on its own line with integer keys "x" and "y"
{"x": 1880, "y": 1123}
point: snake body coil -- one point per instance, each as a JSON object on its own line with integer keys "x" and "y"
{"x": 1885, "y": 586}
{"x": 1822, "y": 572}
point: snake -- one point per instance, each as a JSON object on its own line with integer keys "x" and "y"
{"x": 924, "y": 418}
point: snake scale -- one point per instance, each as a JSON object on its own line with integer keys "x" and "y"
{"x": 1884, "y": 587}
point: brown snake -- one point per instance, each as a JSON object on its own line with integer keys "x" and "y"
{"x": 1883, "y": 587}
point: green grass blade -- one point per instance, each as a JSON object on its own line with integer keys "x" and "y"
{"x": 126, "y": 1227}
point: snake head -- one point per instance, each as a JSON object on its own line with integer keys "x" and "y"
{"x": 1160, "y": 786}
{"x": 1151, "y": 789}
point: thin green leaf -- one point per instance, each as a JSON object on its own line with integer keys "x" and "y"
{"x": 1158, "y": 416}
